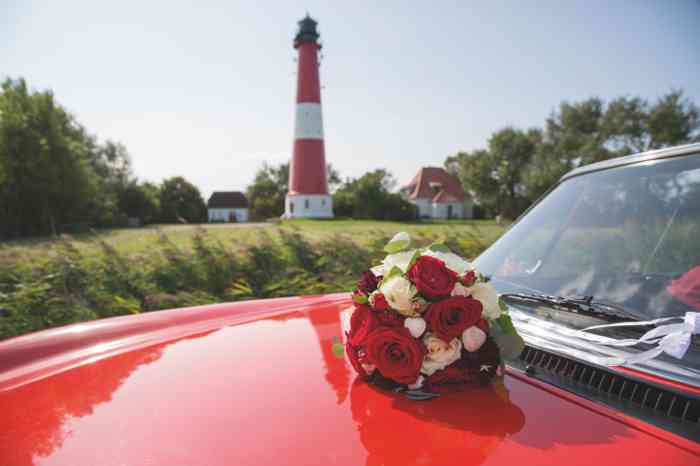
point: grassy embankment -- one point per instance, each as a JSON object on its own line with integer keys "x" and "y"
{"x": 48, "y": 282}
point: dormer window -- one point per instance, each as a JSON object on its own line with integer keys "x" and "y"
{"x": 435, "y": 186}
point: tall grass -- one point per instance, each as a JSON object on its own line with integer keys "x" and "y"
{"x": 76, "y": 284}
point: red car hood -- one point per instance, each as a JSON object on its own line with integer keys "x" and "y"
{"x": 259, "y": 383}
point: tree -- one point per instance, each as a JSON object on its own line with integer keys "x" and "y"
{"x": 181, "y": 200}
{"x": 332, "y": 178}
{"x": 267, "y": 192}
{"x": 673, "y": 120}
{"x": 44, "y": 156}
{"x": 141, "y": 201}
{"x": 369, "y": 197}
{"x": 589, "y": 131}
{"x": 511, "y": 151}
{"x": 495, "y": 175}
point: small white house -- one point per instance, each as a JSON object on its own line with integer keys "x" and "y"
{"x": 227, "y": 206}
{"x": 438, "y": 195}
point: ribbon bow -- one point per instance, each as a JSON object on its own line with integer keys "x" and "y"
{"x": 672, "y": 339}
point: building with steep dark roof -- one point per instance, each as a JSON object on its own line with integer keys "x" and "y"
{"x": 437, "y": 194}
{"x": 227, "y": 206}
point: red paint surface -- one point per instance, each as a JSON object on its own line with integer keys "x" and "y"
{"x": 258, "y": 383}
{"x": 308, "y": 170}
{"x": 308, "y": 86}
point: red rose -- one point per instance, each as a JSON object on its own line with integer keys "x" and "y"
{"x": 483, "y": 324}
{"x": 379, "y": 302}
{"x": 450, "y": 374}
{"x": 357, "y": 357}
{"x": 482, "y": 364}
{"x": 450, "y": 317}
{"x": 389, "y": 318}
{"x": 368, "y": 283}
{"x": 432, "y": 278}
{"x": 468, "y": 278}
{"x": 362, "y": 322}
{"x": 397, "y": 355}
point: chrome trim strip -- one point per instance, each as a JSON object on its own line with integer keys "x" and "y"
{"x": 634, "y": 158}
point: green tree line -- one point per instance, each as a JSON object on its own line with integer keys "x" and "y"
{"x": 517, "y": 166}
{"x": 56, "y": 177}
{"x": 367, "y": 197}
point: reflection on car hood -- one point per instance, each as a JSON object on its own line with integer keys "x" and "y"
{"x": 259, "y": 383}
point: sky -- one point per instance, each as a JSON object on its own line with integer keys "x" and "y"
{"x": 206, "y": 89}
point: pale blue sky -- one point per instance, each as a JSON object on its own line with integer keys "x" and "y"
{"x": 205, "y": 89}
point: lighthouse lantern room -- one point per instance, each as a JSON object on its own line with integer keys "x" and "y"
{"x": 307, "y": 196}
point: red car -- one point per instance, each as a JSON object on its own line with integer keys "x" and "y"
{"x": 263, "y": 382}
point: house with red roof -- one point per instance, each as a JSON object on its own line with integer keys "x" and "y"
{"x": 437, "y": 194}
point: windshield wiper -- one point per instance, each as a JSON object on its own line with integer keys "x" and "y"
{"x": 585, "y": 305}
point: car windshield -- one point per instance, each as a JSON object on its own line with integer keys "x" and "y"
{"x": 628, "y": 235}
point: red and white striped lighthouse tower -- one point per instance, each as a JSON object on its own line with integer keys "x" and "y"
{"x": 308, "y": 196}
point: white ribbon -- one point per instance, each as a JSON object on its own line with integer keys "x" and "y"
{"x": 672, "y": 339}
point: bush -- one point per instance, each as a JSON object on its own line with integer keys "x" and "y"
{"x": 71, "y": 286}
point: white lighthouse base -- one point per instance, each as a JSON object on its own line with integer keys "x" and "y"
{"x": 308, "y": 206}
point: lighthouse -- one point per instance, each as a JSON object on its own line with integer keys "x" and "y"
{"x": 307, "y": 196}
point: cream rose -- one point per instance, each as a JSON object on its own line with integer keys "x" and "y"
{"x": 400, "y": 260}
{"x": 460, "y": 290}
{"x": 440, "y": 354}
{"x": 487, "y": 295}
{"x": 399, "y": 293}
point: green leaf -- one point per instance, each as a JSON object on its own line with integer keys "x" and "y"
{"x": 338, "y": 350}
{"x": 395, "y": 271}
{"x": 502, "y": 304}
{"x": 510, "y": 344}
{"x": 439, "y": 247}
{"x": 415, "y": 257}
{"x": 360, "y": 298}
{"x": 506, "y": 324}
{"x": 398, "y": 243}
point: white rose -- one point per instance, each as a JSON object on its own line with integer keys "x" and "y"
{"x": 460, "y": 290}
{"x": 400, "y": 260}
{"x": 452, "y": 261}
{"x": 415, "y": 325}
{"x": 473, "y": 338}
{"x": 399, "y": 293}
{"x": 440, "y": 354}
{"x": 487, "y": 295}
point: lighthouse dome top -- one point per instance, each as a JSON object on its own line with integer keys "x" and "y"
{"x": 307, "y": 31}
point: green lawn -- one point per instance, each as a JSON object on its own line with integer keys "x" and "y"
{"x": 137, "y": 240}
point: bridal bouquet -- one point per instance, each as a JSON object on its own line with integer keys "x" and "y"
{"x": 424, "y": 319}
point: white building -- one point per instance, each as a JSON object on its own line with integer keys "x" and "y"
{"x": 227, "y": 206}
{"x": 438, "y": 195}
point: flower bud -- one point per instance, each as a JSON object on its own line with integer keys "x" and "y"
{"x": 473, "y": 338}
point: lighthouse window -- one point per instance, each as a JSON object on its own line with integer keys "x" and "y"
{"x": 306, "y": 204}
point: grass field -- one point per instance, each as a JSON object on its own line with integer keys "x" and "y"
{"x": 48, "y": 282}
{"x": 138, "y": 240}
